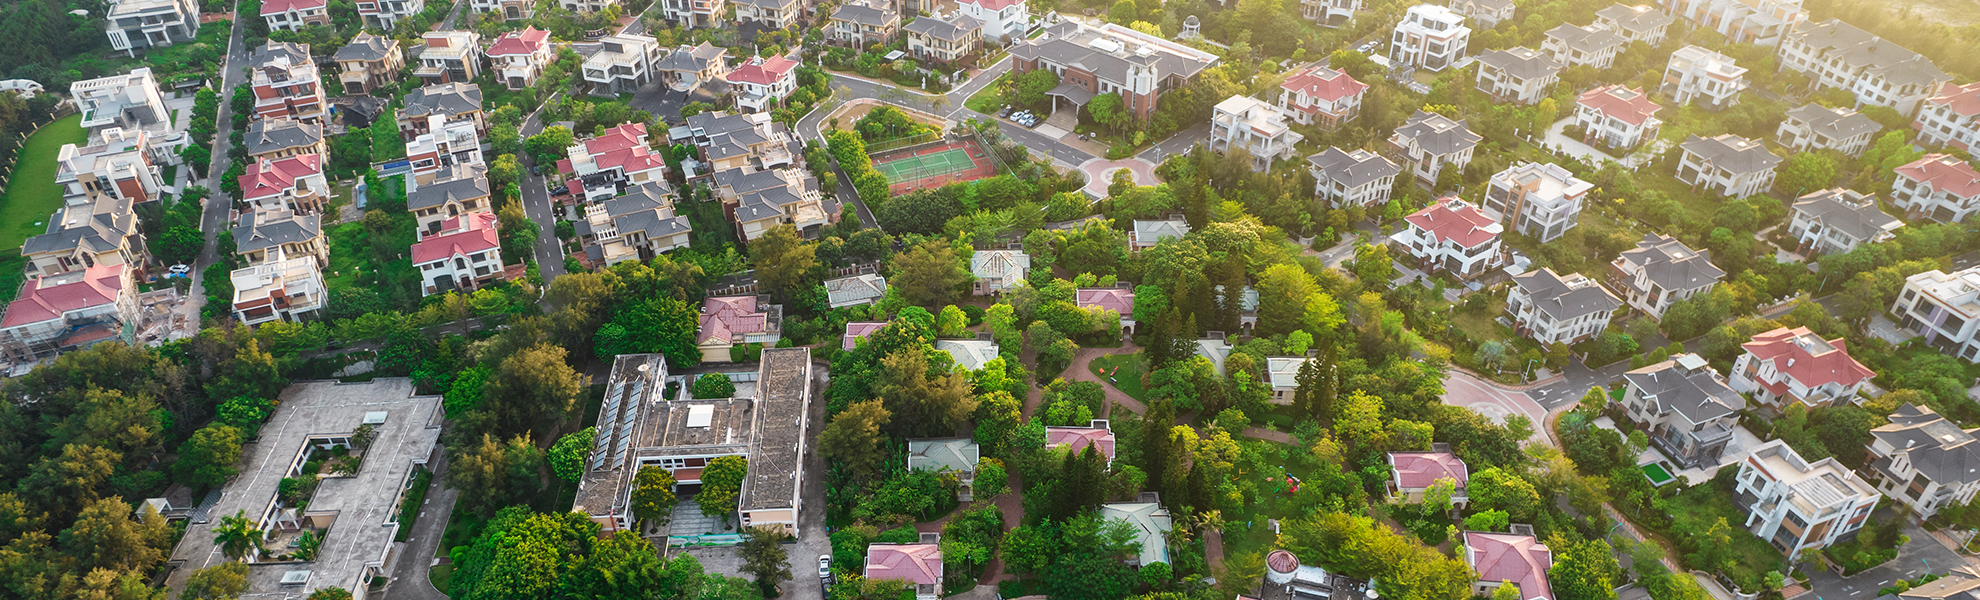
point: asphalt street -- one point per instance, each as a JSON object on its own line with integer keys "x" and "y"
{"x": 536, "y": 203}
{"x": 213, "y": 216}
{"x": 1923, "y": 554}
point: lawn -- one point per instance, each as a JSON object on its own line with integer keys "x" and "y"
{"x": 441, "y": 575}
{"x": 353, "y": 263}
{"x": 1131, "y": 368}
{"x": 1695, "y": 509}
{"x": 987, "y": 100}
{"x": 32, "y": 194}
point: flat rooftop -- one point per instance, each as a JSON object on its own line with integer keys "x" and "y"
{"x": 776, "y": 458}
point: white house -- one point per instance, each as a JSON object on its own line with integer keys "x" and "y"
{"x": 1488, "y": 13}
{"x": 1577, "y": 45}
{"x": 1451, "y": 236}
{"x": 1727, "y": 165}
{"x": 623, "y": 63}
{"x": 997, "y": 270}
{"x": 1937, "y": 186}
{"x": 1519, "y": 75}
{"x": 1709, "y": 78}
{"x": 1795, "y": 504}
{"x": 762, "y": 83}
{"x": 1003, "y": 20}
{"x": 1539, "y": 200}
{"x": 1951, "y": 117}
{"x": 1686, "y": 408}
{"x": 1316, "y": 95}
{"x": 293, "y": 15}
{"x": 290, "y": 289}
{"x": 1552, "y": 309}
{"x": 1661, "y": 271}
{"x": 1429, "y": 142}
{"x": 1757, "y": 22}
{"x": 1243, "y": 122}
{"x": 1795, "y": 366}
{"x": 1429, "y": 37}
{"x": 1838, "y": 220}
{"x": 463, "y": 256}
{"x": 1877, "y": 71}
{"x": 1357, "y": 178}
{"x": 1616, "y": 116}
{"x": 1329, "y": 13}
{"x": 1944, "y": 309}
{"x": 1147, "y": 233}
{"x": 1923, "y": 461}
{"x": 520, "y": 56}
{"x": 1638, "y": 23}
{"x": 1817, "y": 127}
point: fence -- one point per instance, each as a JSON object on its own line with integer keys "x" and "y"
{"x": 905, "y": 143}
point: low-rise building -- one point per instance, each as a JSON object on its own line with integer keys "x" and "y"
{"x": 1708, "y": 78}
{"x": 282, "y": 289}
{"x": 1503, "y": 559}
{"x": 1214, "y": 348}
{"x": 455, "y": 191}
{"x": 1797, "y": 505}
{"x": 1789, "y": 366}
{"x": 1943, "y": 308}
{"x": 943, "y": 38}
{"x": 969, "y": 355}
{"x": 285, "y": 83}
{"x": 1577, "y": 45}
{"x": 1816, "y": 127}
{"x": 1358, "y": 178}
{"x": 730, "y": 321}
{"x": 1429, "y": 142}
{"x": 612, "y": 163}
{"x": 1109, "y": 59}
{"x": 1639, "y": 23}
{"x": 1552, "y": 309}
{"x": 454, "y": 102}
{"x": 511, "y": 10}
{"x": 1316, "y": 95}
{"x": 765, "y": 200}
{"x": 1412, "y": 473}
{"x": 1727, "y": 165}
{"x": 265, "y": 236}
{"x": 855, "y": 290}
{"x": 1004, "y": 21}
{"x": 749, "y": 142}
{"x": 1616, "y": 116}
{"x": 69, "y": 311}
{"x": 997, "y": 270}
{"x": 1661, "y": 271}
{"x": 293, "y": 15}
{"x": 1074, "y": 440}
{"x": 1838, "y": 220}
{"x": 858, "y": 330}
{"x": 917, "y": 565}
{"x": 134, "y": 25}
{"x": 1151, "y": 525}
{"x": 863, "y": 24}
{"x": 386, "y": 14}
{"x": 1430, "y": 37}
{"x": 760, "y": 84}
{"x": 1757, "y": 22}
{"x": 104, "y": 232}
{"x": 773, "y": 14}
{"x": 464, "y": 255}
{"x": 1923, "y": 461}
{"x": 1875, "y": 70}
{"x": 622, "y": 64}
{"x": 956, "y": 456}
{"x": 637, "y": 226}
{"x": 694, "y": 13}
{"x": 1519, "y": 75}
{"x": 1329, "y": 13}
{"x": 1282, "y": 372}
{"x": 1488, "y": 13}
{"x": 1685, "y": 407}
{"x": 446, "y": 144}
{"x": 1147, "y": 233}
{"x": 1451, "y": 236}
{"x": 121, "y": 164}
{"x": 689, "y": 67}
{"x": 128, "y": 102}
{"x": 1950, "y": 117}
{"x": 1538, "y": 200}
{"x": 449, "y": 57}
{"x": 1243, "y": 122}
{"x": 1118, "y": 300}
{"x": 519, "y": 57}
{"x": 367, "y": 62}
{"x": 1940, "y": 187}
{"x": 280, "y": 138}
{"x": 295, "y": 184}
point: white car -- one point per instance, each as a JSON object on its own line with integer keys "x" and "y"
{"x": 824, "y": 566}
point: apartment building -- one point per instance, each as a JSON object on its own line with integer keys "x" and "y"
{"x": 293, "y": 15}
{"x": 608, "y": 164}
{"x": 295, "y": 184}
{"x": 455, "y": 191}
{"x": 265, "y": 236}
{"x": 120, "y": 165}
{"x": 285, "y": 83}
{"x": 286, "y": 289}
{"x": 1329, "y": 13}
{"x": 1727, "y": 165}
{"x": 688, "y": 67}
{"x": 128, "y": 102}
{"x": 1538, "y": 200}
{"x": 1246, "y": 123}
{"x": 1794, "y": 366}
{"x": 1110, "y": 59}
{"x": 622, "y": 64}
{"x": 1795, "y": 504}
{"x": 1358, "y": 178}
{"x": 134, "y": 25}
{"x": 1949, "y": 117}
{"x": 1004, "y": 21}
{"x": 1577, "y": 45}
{"x": 1937, "y": 186}
{"x": 862, "y": 24}
{"x": 519, "y": 57}
{"x": 1838, "y": 220}
{"x": 464, "y": 255}
{"x": 104, "y": 232}
{"x": 1551, "y": 309}
{"x": 1923, "y": 461}
{"x": 1508, "y": 559}
{"x": 1451, "y": 236}
{"x": 1616, "y": 116}
{"x": 1943, "y": 308}
{"x": 69, "y": 311}
{"x": 511, "y": 10}
{"x": 1875, "y": 70}
{"x": 367, "y": 62}
{"x": 997, "y": 270}
{"x": 1661, "y": 271}
{"x": 1757, "y": 22}
{"x": 451, "y": 102}
{"x": 694, "y": 13}
{"x": 1686, "y": 408}
{"x": 1708, "y": 78}
{"x": 1816, "y": 127}
{"x": 1429, "y": 142}
{"x": 1639, "y": 23}
{"x": 1429, "y": 37}
{"x": 637, "y": 226}
{"x": 773, "y": 14}
{"x": 386, "y": 14}
{"x": 943, "y": 39}
{"x": 730, "y": 321}
{"x": 449, "y": 57}
{"x": 1487, "y": 13}
{"x": 761, "y": 83}
{"x": 1518, "y": 76}
{"x": 1316, "y": 95}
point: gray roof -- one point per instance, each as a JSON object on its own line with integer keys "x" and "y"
{"x": 652, "y": 223}
{"x": 447, "y": 99}
{"x": 1353, "y": 169}
{"x": 646, "y": 196}
{"x": 695, "y": 59}
{"x": 748, "y": 183}
{"x": 298, "y": 54}
{"x": 1732, "y": 153}
{"x": 103, "y": 231}
{"x": 250, "y": 236}
{"x": 954, "y": 454}
{"x": 1700, "y": 395}
{"x": 1062, "y": 44}
{"x": 451, "y": 184}
{"x": 865, "y": 15}
{"x": 856, "y": 288}
{"x": 274, "y": 135}
{"x": 645, "y": 208}
{"x": 1849, "y": 211}
{"x": 1672, "y": 265}
{"x": 1858, "y": 49}
{"x": 1523, "y": 63}
{"x": 776, "y": 465}
{"x": 771, "y": 4}
{"x": 367, "y": 47}
{"x": 1939, "y": 449}
{"x": 1628, "y": 17}
{"x": 1437, "y": 134}
{"x": 1565, "y": 298}
{"x": 755, "y": 208}
{"x": 1838, "y": 123}
{"x": 1491, "y": 5}
{"x": 1585, "y": 38}
{"x": 956, "y": 28}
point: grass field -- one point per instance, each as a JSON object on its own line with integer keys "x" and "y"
{"x": 31, "y": 191}
{"x": 1128, "y": 379}
{"x": 925, "y": 166}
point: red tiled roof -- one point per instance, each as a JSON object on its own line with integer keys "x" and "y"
{"x": 272, "y": 7}
{"x": 1945, "y": 173}
{"x": 527, "y": 41}
{"x": 1518, "y": 559}
{"x": 1452, "y": 219}
{"x": 1324, "y": 83}
{"x": 470, "y": 233}
{"x": 856, "y": 331}
{"x": 269, "y": 177}
{"x": 48, "y": 298}
{"x": 1628, "y": 105}
{"x": 617, "y": 138}
{"x": 630, "y": 160}
{"x": 1417, "y": 470}
{"x": 919, "y": 564}
{"x": 993, "y": 5}
{"x": 1115, "y": 299}
{"x": 722, "y": 318}
{"x": 763, "y": 71}
{"x": 1962, "y": 99}
{"x": 1791, "y": 358}
{"x": 1079, "y": 438}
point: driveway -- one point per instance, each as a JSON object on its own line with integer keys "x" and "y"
{"x": 665, "y": 104}
{"x": 549, "y": 252}
{"x": 409, "y": 580}
{"x": 1924, "y": 554}
{"x": 213, "y": 217}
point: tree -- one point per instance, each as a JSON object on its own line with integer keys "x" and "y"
{"x": 330, "y": 593}
{"x": 783, "y": 261}
{"x": 1109, "y": 111}
{"x": 929, "y": 274}
{"x": 853, "y": 437}
{"x": 237, "y": 536}
{"x": 106, "y": 536}
{"x": 1283, "y": 290}
{"x": 548, "y": 147}
{"x": 1507, "y": 590}
{"x": 1585, "y": 570}
{"x": 922, "y": 403}
{"x": 532, "y": 388}
{"x": 1029, "y": 89}
{"x": 224, "y": 581}
{"x": 207, "y": 458}
{"x": 653, "y": 494}
{"x": 665, "y": 325}
{"x": 1806, "y": 172}
{"x": 1495, "y": 488}
{"x": 568, "y": 454}
{"x": 503, "y": 171}
{"x": 721, "y": 485}
{"x": 713, "y": 385}
{"x": 952, "y": 323}
{"x": 1489, "y": 520}
{"x": 765, "y": 559}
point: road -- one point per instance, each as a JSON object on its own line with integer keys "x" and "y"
{"x": 454, "y": 15}
{"x": 549, "y": 251}
{"x": 409, "y": 580}
{"x": 213, "y": 216}
{"x": 1924, "y": 554}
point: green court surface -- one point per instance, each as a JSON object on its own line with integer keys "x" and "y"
{"x": 1657, "y": 475}
{"x": 925, "y": 166}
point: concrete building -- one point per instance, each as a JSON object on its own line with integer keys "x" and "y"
{"x": 997, "y": 270}
{"x": 1940, "y": 187}
{"x": 863, "y": 24}
{"x": 1795, "y": 504}
{"x": 730, "y": 321}
{"x": 1243, "y": 122}
{"x": 1942, "y": 308}
{"x": 1708, "y": 78}
{"x": 121, "y": 165}
{"x": 26, "y": 88}
{"x": 104, "y": 232}
{"x": 1150, "y": 523}
{"x": 367, "y": 62}
{"x": 1542, "y": 201}
{"x": 1661, "y": 271}
{"x": 1429, "y": 142}
{"x": 772, "y": 14}
{"x": 134, "y": 25}
{"x": 449, "y": 57}
{"x": 623, "y": 64}
{"x": 295, "y": 184}
{"x": 1518, "y": 76}
{"x": 944, "y": 39}
{"x": 69, "y": 311}
{"x": 1838, "y": 220}
{"x": 1727, "y": 165}
{"x": 855, "y": 290}
{"x": 1877, "y": 71}
{"x": 519, "y": 57}
{"x": 386, "y": 14}
{"x": 1616, "y": 116}
{"x": 1686, "y": 409}
{"x": 1358, "y": 178}
{"x": 283, "y": 138}
{"x": 1577, "y": 45}
{"x": 265, "y": 236}
{"x": 1923, "y": 461}
{"x": 1004, "y": 21}
{"x": 454, "y": 191}
{"x": 917, "y": 565}
{"x": 1757, "y": 22}
{"x": 285, "y": 83}
{"x": 1487, "y": 13}
{"x": 129, "y": 102}
{"x": 694, "y": 13}
{"x": 1503, "y": 559}
{"x": 1552, "y": 309}
{"x": 1316, "y": 95}
{"x": 1451, "y": 236}
{"x": 1412, "y": 473}
{"x": 1815, "y": 127}
{"x": 1146, "y": 234}
{"x": 1789, "y": 366}
{"x": 293, "y": 15}
{"x": 760, "y": 84}
{"x": 280, "y": 289}
{"x": 1282, "y": 372}
{"x": 1109, "y": 59}
{"x": 510, "y": 10}
{"x": 1429, "y": 37}
{"x": 1639, "y": 23}
{"x": 637, "y": 226}
{"x": 463, "y": 255}
{"x": 1951, "y": 117}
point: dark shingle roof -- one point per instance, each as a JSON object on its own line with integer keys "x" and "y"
{"x": 367, "y": 47}
{"x": 450, "y": 184}
{"x": 1438, "y": 134}
{"x": 273, "y": 135}
{"x": 1565, "y": 299}
{"x": 447, "y": 99}
{"x": 250, "y": 236}
{"x": 953, "y": 29}
{"x": 1524, "y": 63}
{"x": 1732, "y": 153}
{"x": 1699, "y": 396}
{"x": 1838, "y": 123}
{"x": 1353, "y": 169}
{"x": 1849, "y": 211}
{"x": 1672, "y": 265}
{"x": 1939, "y": 449}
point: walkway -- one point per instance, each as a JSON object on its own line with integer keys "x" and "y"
{"x": 1100, "y": 173}
{"x": 1494, "y": 401}
{"x": 1081, "y": 371}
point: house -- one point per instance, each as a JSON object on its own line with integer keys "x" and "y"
{"x": 1942, "y": 308}
{"x": 511, "y": 10}
{"x": 1357, "y": 178}
{"x": 943, "y": 39}
{"x": 760, "y": 84}
{"x": 694, "y": 13}
{"x": 367, "y": 62}
{"x": 285, "y": 83}
{"x": 688, "y": 67}
{"x": 1519, "y": 75}
{"x": 1877, "y": 71}
{"x": 25, "y": 88}
{"x": 612, "y": 163}
{"x": 133, "y": 25}
{"x": 1949, "y": 118}
{"x": 1109, "y": 59}
{"x": 1577, "y": 45}
{"x": 997, "y": 270}
{"x": 1429, "y": 37}
{"x": 445, "y": 144}
{"x": 766, "y": 425}
{"x": 1727, "y": 165}
{"x": 104, "y": 232}
{"x": 1488, "y": 13}
{"x": 746, "y": 143}
{"x": 918, "y": 565}
{"x": 1685, "y": 407}
{"x": 954, "y": 455}
{"x": 623, "y": 64}
{"x": 130, "y": 102}
{"x": 1119, "y": 300}
{"x": 1502, "y": 559}
{"x": 855, "y": 290}
{"x": 464, "y": 255}
{"x": 1077, "y": 439}
{"x": 729, "y": 321}
{"x": 1539, "y": 200}
{"x": 69, "y": 311}
{"x": 1243, "y": 122}
{"x": 1787, "y": 366}
{"x": 1283, "y": 373}
{"x": 1149, "y": 522}
{"x": 1429, "y": 141}
{"x": 519, "y": 57}
{"x": 1709, "y": 78}
{"x": 863, "y": 24}
{"x": 288, "y": 289}
{"x": 1816, "y": 127}
{"x": 1616, "y": 116}
{"x": 768, "y": 199}
{"x": 1757, "y": 22}
{"x": 122, "y": 165}
{"x": 455, "y": 191}
{"x": 1412, "y": 473}
{"x": 274, "y": 235}
{"x": 1214, "y": 348}
{"x": 1146, "y": 233}
{"x": 1329, "y": 13}
{"x": 773, "y": 14}
{"x": 295, "y": 184}
{"x": 1661, "y": 271}
{"x": 858, "y": 330}
{"x": 448, "y": 57}
{"x": 970, "y": 355}
{"x": 1838, "y": 220}
{"x": 1940, "y": 187}
{"x": 1316, "y": 95}
{"x": 1638, "y": 23}
{"x": 293, "y": 15}
{"x": 386, "y": 14}
{"x": 1004, "y": 21}
{"x": 1795, "y": 504}
{"x": 1451, "y": 236}
{"x": 1923, "y": 461}
{"x": 637, "y": 226}
{"x": 283, "y": 137}
{"x": 1552, "y": 309}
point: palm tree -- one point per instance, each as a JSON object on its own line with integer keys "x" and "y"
{"x": 237, "y": 535}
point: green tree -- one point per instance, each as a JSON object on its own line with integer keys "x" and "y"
{"x": 1806, "y": 172}
{"x": 330, "y": 593}
{"x": 492, "y": 474}
{"x": 784, "y": 261}
{"x": 665, "y": 325}
{"x": 1108, "y": 110}
{"x": 721, "y": 485}
{"x": 503, "y": 171}
{"x": 1495, "y": 488}
{"x": 923, "y": 403}
{"x": 532, "y": 388}
{"x": 385, "y": 141}
{"x": 568, "y": 454}
{"x": 712, "y": 386}
{"x": 550, "y": 146}
{"x": 1584, "y": 570}
{"x": 1283, "y": 290}
{"x": 1029, "y": 89}
{"x": 765, "y": 559}
{"x": 952, "y": 323}
{"x": 853, "y": 437}
{"x": 1122, "y": 13}
{"x": 928, "y": 275}
{"x": 207, "y": 458}
{"x": 1489, "y": 520}
{"x": 653, "y": 494}
{"x": 237, "y": 536}
{"x": 224, "y": 581}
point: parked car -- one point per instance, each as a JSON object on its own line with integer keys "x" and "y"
{"x": 824, "y": 566}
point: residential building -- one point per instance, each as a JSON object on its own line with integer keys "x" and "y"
{"x": 293, "y": 15}
{"x": 1004, "y": 21}
{"x": 386, "y": 14}
{"x": 1639, "y": 23}
{"x": 265, "y": 236}
{"x": 1451, "y": 236}
{"x": 1923, "y": 461}
{"x": 1282, "y": 372}
{"x": 1788, "y": 366}
{"x": 586, "y": 7}
{"x": 1215, "y": 348}
{"x": 970, "y": 355}
{"x": 855, "y": 290}
{"x": 519, "y": 57}
{"x": 69, "y": 311}
{"x": 26, "y": 88}
{"x": 1519, "y": 75}
{"x": 1709, "y": 78}
{"x": 1316, "y": 95}
{"x": 129, "y": 102}
{"x": 134, "y": 25}
{"x": 1661, "y": 271}
{"x": 956, "y": 456}
{"x": 997, "y": 270}
{"x": 1950, "y": 118}
{"x": 1816, "y": 127}
{"x": 917, "y": 565}
{"x": 863, "y": 24}
{"x": 1329, "y": 13}
{"x": 694, "y": 13}
{"x": 1110, "y": 59}
{"x": 285, "y": 83}
{"x": 858, "y": 330}
{"x": 1358, "y": 178}
{"x": 465, "y": 254}
{"x": 772, "y": 14}
{"x": 730, "y": 321}
{"x": 1838, "y": 220}
{"x": 295, "y": 184}
{"x": 744, "y": 143}
{"x": 1757, "y": 22}
{"x": 122, "y": 165}
{"x": 1877, "y": 71}
{"x": 611, "y": 163}
{"x": 1428, "y": 142}
{"x": 511, "y": 10}
{"x": 1937, "y": 186}
{"x": 1797, "y": 505}
{"x": 449, "y": 57}
{"x": 283, "y": 289}
{"x": 1077, "y": 439}
{"x": 1150, "y": 523}
{"x": 1503, "y": 559}
{"x": 102, "y": 233}
{"x": 943, "y": 38}
{"x": 367, "y": 62}
{"x": 454, "y": 102}
{"x": 1487, "y": 13}
{"x": 1727, "y": 165}
{"x": 445, "y": 144}
{"x": 622, "y": 64}
{"x": 1412, "y": 473}
{"x": 282, "y": 138}
{"x": 1552, "y": 309}
{"x": 1118, "y": 300}
{"x": 1943, "y": 309}
{"x": 1430, "y": 37}
{"x": 760, "y": 84}
{"x": 1616, "y": 116}
{"x": 758, "y": 201}
{"x": 1539, "y": 200}
{"x": 455, "y": 191}
{"x": 1147, "y": 233}
{"x": 1243, "y": 122}
{"x": 688, "y": 67}
{"x": 1685, "y": 407}
{"x": 1577, "y": 45}
{"x": 637, "y": 226}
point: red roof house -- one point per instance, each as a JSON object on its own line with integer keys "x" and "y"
{"x": 727, "y": 318}
{"x": 1509, "y": 559}
{"x": 276, "y": 7}
{"x": 763, "y": 71}
{"x": 1943, "y": 173}
{"x": 50, "y": 298}
{"x": 1798, "y": 365}
{"x": 1324, "y": 83}
{"x": 272, "y": 177}
{"x": 520, "y": 43}
{"x": 1453, "y": 220}
{"x": 917, "y": 564}
{"x": 1964, "y": 100}
{"x": 1416, "y": 471}
{"x": 856, "y": 331}
{"x": 1119, "y": 300}
{"x": 470, "y": 234}
{"x": 1630, "y": 106}
{"x": 1078, "y": 439}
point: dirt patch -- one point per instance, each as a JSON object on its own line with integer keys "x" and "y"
{"x": 854, "y": 110}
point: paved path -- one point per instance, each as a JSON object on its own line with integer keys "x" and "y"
{"x": 1269, "y": 435}
{"x": 1081, "y": 371}
{"x": 1490, "y": 399}
{"x": 213, "y": 217}
{"x": 1100, "y": 173}
{"x": 1922, "y": 555}
{"x": 549, "y": 251}
{"x": 1179, "y": 143}
{"x": 409, "y": 580}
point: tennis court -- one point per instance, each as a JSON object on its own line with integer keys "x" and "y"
{"x": 928, "y": 165}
